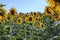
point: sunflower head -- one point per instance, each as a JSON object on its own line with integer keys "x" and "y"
{"x": 3, "y": 12}
{"x": 48, "y": 10}
{"x": 42, "y": 26}
{"x": 57, "y": 8}
{"x": 38, "y": 18}
{"x": 53, "y": 3}
{"x": 19, "y": 20}
{"x": 29, "y": 19}
{"x": 26, "y": 15}
{"x": 8, "y": 18}
{"x": 33, "y": 13}
{"x": 13, "y": 12}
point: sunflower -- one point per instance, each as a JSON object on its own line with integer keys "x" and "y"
{"x": 57, "y": 8}
{"x": 33, "y": 13}
{"x": 26, "y": 15}
{"x": 13, "y": 12}
{"x": 48, "y": 10}
{"x": 42, "y": 26}
{"x": 30, "y": 18}
{"x": 38, "y": 18}
{"x": 19, "y": 20}
{"x": 8, "y": 18}
{"x": 51, "y": 3}
{"x": 3, "y": 12}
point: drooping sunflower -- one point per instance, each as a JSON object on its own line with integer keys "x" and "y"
{"x": 48, "y": 10}
{"x": 19, "y": 20}
{"x": 30, "y": 18}
{"x": 13, "y": 12}
{"x": 41, "y": 26}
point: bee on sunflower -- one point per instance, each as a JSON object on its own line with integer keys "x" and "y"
{"x": 41, "y": 25}
{"x": 30, "y": 18}
{"x": 13, "y": 12}
{"x": 48, "y": 11}
{"x": 19, "y": 20}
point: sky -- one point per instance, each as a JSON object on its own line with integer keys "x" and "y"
{"x": 25, "y": 5}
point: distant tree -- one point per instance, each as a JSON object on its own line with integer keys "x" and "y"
{"x": 2, "y": 5}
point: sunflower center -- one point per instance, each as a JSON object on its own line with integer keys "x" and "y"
{"x": 34, "y": 13}
{"x": 42, "y": 26}
{"x": 12, "y": 12}
{"x": 48, "y": 11}
{"x": 30, "y": 19}
{"x": 19, "y": 21}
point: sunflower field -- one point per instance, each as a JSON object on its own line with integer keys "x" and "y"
{"x": 32, "y": 25}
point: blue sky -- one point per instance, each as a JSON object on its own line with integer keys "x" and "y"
{"x": 25, "y": 5}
